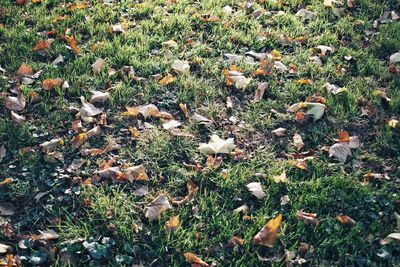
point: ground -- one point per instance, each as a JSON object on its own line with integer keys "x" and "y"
{"x": 90, "y": 213}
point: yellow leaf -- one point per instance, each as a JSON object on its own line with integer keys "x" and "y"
{"x": 172, "y": 224}
{"x": 267, "y": 235}
{"x": 194, "y": 260}
{"x": 393, "y": 123}
{"x": 166, "y": 80}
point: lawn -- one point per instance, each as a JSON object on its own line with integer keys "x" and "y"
{"x": 203, "y": 133}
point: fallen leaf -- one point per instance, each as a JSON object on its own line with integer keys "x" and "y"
{"x": 344, "y": 219}
{"x": 334, "y": 89}
{"x": 41, "y": 45}
{"x": 51, "y": 145}
{"x": 267, "y": 235}
{"x": 98, "y": 96}
{"x": 7, "y": 209}
{"x": 136, "y": 173}
{"x": 48, "y": 235}
{"x": 261, "y": 87}
{"x": 98, "y": 65}
{"x": 393, "y": 123}
{"x": 317, "y": 110}
{"x": 323, "y": 50}
{"x": 201, "y": 119}
{"x": 181, "y": 66}
{"x": 340, "y": 151}
{"x": 17, "y": 119}
{"x": 149, "y": 110}
{"x": 15, "y": 103}
{"x": 192, "y": 191}
{"x": 307, "y": 217}
{"x": 59, "y": 59}
{"x": 6, "y": 181}
{"x": 305, "y": 13}
{"x": 166, "y": 80}
{"x": 235, "y": 241}
{"x": 280, "y": 178}
{"x": 3, "y": 152}
{"x": 171, "y": 124}
{"x": 280, "y": 132}
{"x": 194, "y": 260}
{"x": 169, "y": 44}
{"x": 298, "y": 142}
{"x": 244, "y": 208}
{"x": 256, "y": 190}
{"x": 155, "y": 208}
{"x": 24, "y": 70}
{"x": 172, "y": 224}
{"x": 4, "y": 248}
{"x": 49, "y": 84}
{"x": 216, "y": 145}
{"x": 87, "y": 111}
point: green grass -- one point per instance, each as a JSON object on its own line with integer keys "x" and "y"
{"x": 110, "y": 209}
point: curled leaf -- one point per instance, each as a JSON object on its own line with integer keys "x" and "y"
{"x": 267, "y": 235}
{"x": 155, "y": 208}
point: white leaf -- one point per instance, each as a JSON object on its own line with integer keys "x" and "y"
{"x": 149, "y": 110}
{"x": 316, "y": 60}
{"x": 154, "y": 209}
{"x": 334, "y": 89}
{"x": 181, "y": 66}
{"x": 395, "y": 58}
{"x": 58, "y": 60}
{"x": 51, "y": 145}
{"x": 325, "y": 49}
{"x": 48, "y": 235}
{"x": 201, "y": 119}
{"x": 279, "y": 66}
{"x": 280, "y": 132}
{"x": 280, "y": 178}
{"x": 340, "y": 151}
{"x": 305, "y": 13}
{"x": 298, "y": 142}
{"x": 3, "y": 248}
{"x": 256, "y": 189}
{"x": 316, "y": 109}
{"x": 98, "y": 96}
{"x": 242, "y": 82}
{"x": 217, "y": 145}
{"x": 136, "y": 173}
{"x": 243, "y": 208}
{"x": 171, "y": 124}
{"x": 88, "y": 110}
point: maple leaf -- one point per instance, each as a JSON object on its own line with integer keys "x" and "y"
{"x": 155, "y": 208}
{"x": 267, "y": 235}
{"x": 216, "y": 145}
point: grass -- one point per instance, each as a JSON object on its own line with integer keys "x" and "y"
{"x": 110, "y": 209}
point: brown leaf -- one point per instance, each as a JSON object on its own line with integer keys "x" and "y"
{"x": 298, "y": 142}
{"x": 192, "y": 191}
{"x": 41, "y": 45}
{"x": 15, "y": 103}
{"x": 267, "y": 235}
{"x": 136, "y": 173}
{"x": 307, "y": 217}
{"x": 194, "y": 260}
{"x": 98, "y": 65}
{"x": 155, "y": 208}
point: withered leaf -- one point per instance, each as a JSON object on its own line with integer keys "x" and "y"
{"x": 15, "y": 103}
{"x": 194, "y": 260}
{"x": 172, "y": 224}
{"x": 256, "y": 190}
{"x": 136, "y": 173}
{"x": 267, "y": 235}
{"x": 7, "y": 208}
{"x": 155, "y": 208}
{"x": 217, "y": 145}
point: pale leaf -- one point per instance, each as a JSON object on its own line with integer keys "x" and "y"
{"x": 256, "y": 190}
{"x": 216, "y": 145}
{"x": 154, "y": 209}
{"x": 267, "y": 235}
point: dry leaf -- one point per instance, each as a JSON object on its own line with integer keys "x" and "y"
{"x": 24, "y": 70}
{"x": 280, "y": 132}
{"x": 171, "y": 124}
{"x": 3, "y": 152}
{"x": 148, "y": 111}
{"x": 307, "y": 217}
{"x": 48, "y": 235}
{"x": 172, "y": 224}
{"x": 395, "y": 58}
{"x": 298, "y": 142}
{"x": 7, "y": 209}
{"x": 194, "y": 260}
{"x": 261, "y": 87}
{"x": 98, "y": 65}
{"x": 192, "y": 191}
{"x": 4, "y": 248}
{"x": 305, "y": 13}
{"x": 393, "y": 123}
{"x": 217, "y": 145}
{"x": 154, "y": 209}
{"x": 17, "y": 119}
{"x": 49, "y": 84}
{"x": 51, "y": 145}
{"x": 267, "y": 235}
{"x": 15, "y": 103}
{"x": 98, "y": 96}
{"x": 201, "y": 119}
{"x": 256, "y": 190}
{"x": 344, "y": 219}
{"x": 168, "y": 79}
{"x": 181, "y": 66}
{"x": 136, "y": 173}
{"x": 280, "y": 178}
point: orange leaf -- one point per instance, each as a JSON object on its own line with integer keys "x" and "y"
{"x": 344, "y": 136}
{"x": 308, "y": 217}
{"x": 78, "y": 140}
{"x": 172, "y": 224}
{"x": 267, "y": 235}
{"x": 49, "y": 84}
{"x": 20, "y": 2}
{"x": 344, "y": 219}
{"x": 305, "y": 81}
{"x": 24, "y": 70}
{"x": 193, "y": 259}
{"x": 6, "y": 181}
{"x": 73, "y": 44}
{"x": 41, "y": 45}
